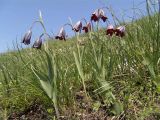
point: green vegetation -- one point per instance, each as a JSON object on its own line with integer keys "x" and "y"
{"x": 106, "y": 77}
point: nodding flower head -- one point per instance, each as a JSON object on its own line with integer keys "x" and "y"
{"x": 120, "y": 31}
{"x": 38, "y": 43}
{"x": 27, "y": 38}
{"x": 110, "y": 30}
{"x": 61, "y": 35}
{"x": 78, "y": 26}
{"x": 87, "y": 27}
{"x": 98, "y": 14}
{"x": 102, "y": 15}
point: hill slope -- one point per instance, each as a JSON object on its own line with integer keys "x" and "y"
{"x": 105, "y": 78}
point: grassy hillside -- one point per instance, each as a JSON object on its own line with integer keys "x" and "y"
{"x": 105, "y": 78}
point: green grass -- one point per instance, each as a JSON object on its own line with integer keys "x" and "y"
{"x": 120, "y": 76}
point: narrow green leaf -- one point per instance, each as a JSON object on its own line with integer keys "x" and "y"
{"x": 78, "y": 66}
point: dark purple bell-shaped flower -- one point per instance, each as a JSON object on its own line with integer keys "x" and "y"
{"x": 110, "y": 30}
{"x": 78, "y": 26}
{"x": 61, "y": 35}
{"x": 102, "y": 15}
{"x": 87, "y": 28}
{"x": 27, "y": 38}
{"x": 98, "y": 14}
{"x": 120, "y": 31}
{"x": 38, "y": 43}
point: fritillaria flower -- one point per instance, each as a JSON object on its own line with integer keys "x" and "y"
{"x": 78, "y": 26}
{"x": 87, "y": 27}
{"x": 98, "y": 14}
{"x": 110, "y": 30}
{"x": 102, "y": 15}
{"x": 38, "y": 43}
{"x": 27, "y": 38}
{"x": 61, "y": 35}
{"x": 120, "y": 31}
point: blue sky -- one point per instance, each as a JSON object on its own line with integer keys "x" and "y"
{"x": 16, "y": 16}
